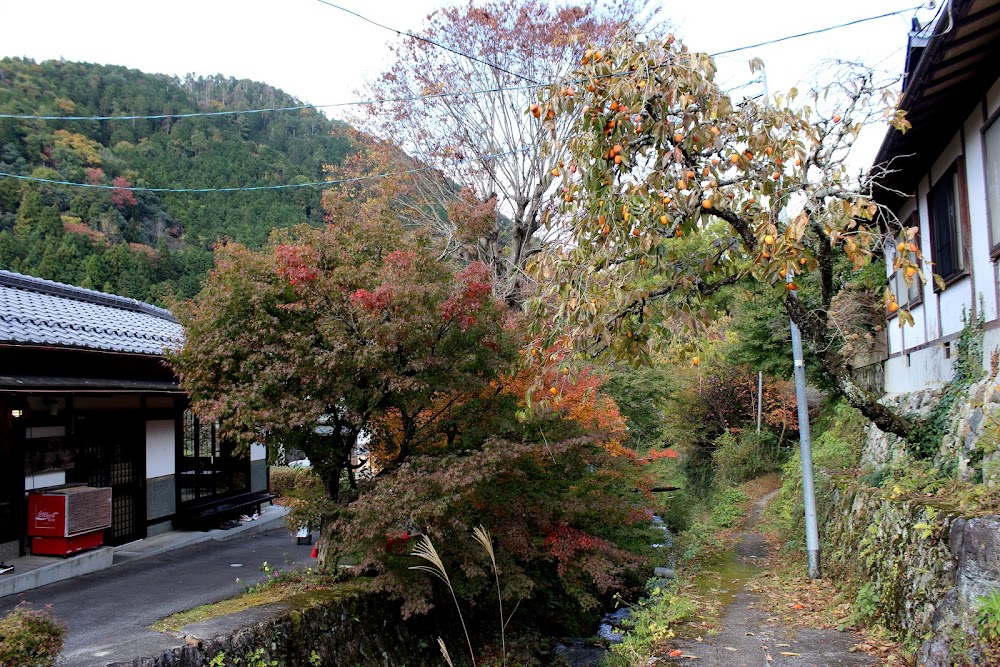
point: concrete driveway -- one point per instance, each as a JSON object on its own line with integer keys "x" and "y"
{"x": 108, "y": 614}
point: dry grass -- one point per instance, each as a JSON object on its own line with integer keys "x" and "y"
{"x": 298, "y": 593}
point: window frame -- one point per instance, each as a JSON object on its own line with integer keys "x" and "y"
{"x": 210, "y": 468}
{"x": 992, "y": 216}
{"x": 913, "y": 220}
{"x": 960, "y": 231}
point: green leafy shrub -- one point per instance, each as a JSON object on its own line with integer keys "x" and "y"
{"x": 29, "y": 638}
{"x": 721, "y": 510}
{"x": 740, "y": 457}
{"x": 301, "y": 490}
{"x": 651, "y": 623}
{"x": 286, "y": 479}
{"x": 866, "y": 605}
{"x": 836, "y": 448}
{"x": 988, "y": 617}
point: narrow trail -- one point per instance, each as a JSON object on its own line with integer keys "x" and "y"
{"x": 749, "y": 636}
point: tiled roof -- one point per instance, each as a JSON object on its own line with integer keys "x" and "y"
{"x": 41, "y": 312}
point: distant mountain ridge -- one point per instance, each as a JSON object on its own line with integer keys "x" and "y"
{"x": 139, "y": 244}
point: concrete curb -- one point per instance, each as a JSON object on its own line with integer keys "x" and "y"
{"x": 84, "y": 563}
{"x": 272, "y": 518}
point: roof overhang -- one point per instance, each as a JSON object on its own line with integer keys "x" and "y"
{"x": 42, "y": 384}
{"x": 958, "y": 64}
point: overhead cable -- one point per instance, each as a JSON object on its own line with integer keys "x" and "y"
{"x": 430, "y": 41}
{"x": 415, "y": 98}
{"x": 251, "y": 188}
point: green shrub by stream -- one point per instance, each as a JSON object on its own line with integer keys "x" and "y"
{"x": 29, "y": 638}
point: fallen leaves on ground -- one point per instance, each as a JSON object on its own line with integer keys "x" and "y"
{"x": 793, "y": 599}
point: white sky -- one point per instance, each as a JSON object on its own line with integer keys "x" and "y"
{"x": 321, "y": 55}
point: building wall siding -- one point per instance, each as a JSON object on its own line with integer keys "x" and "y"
{"x": 161, "y": 497}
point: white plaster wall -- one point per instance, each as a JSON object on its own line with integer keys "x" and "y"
{"x": 975, "y": 170}
{"x": 44, "y": 432}
{"x": 258, "y": 452}
{"x": 928, "y": 368}
{"x": 917, "y": 334}
{"x": 930, "y": 297}
{"x": 43, "y": 479}
{"x": 160, "y": 448}
{"x": 991, "y": 342}
{"x": 945, "y": 160}
{"x": 954, "y": 301}
{"x": 993, "y": 98}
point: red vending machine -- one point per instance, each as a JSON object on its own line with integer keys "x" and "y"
{"x": 63, "y": 520}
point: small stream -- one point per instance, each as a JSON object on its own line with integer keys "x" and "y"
{"x": 584, "y": 652}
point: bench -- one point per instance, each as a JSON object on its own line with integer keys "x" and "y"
{"x": 204, "y": 514}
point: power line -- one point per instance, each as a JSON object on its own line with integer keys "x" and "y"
{"x": 416, "y": 98}
{"x": 194, "y": 114}
{"x": 251, "y": 188}
{"x": 429, "y": 41}
{"x": 814, "y": 32}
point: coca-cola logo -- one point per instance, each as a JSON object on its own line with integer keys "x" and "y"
{"x": 41, "y": 516}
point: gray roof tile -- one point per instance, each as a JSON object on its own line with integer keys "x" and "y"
{"x": 41, "y": 312}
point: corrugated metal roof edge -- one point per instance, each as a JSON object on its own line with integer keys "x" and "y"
{"x": 64, "y": 291}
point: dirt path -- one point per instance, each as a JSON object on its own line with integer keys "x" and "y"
{"x": 749, "y": 636}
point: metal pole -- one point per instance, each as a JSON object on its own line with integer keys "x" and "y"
{"x": 805, "y": 447}
{"x": 760, "y": 396}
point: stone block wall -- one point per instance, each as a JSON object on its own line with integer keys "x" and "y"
{"x": 321, "y": 627}
{"x": 927, "y": 560}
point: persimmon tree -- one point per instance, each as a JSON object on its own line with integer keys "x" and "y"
{"x": 486, "y": 196}
{"x": 675, "y": 191}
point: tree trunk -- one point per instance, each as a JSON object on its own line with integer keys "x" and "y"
{"x": 814, "y": 333}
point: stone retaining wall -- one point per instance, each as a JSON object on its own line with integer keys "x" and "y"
{"x": 319, "y": 628}
{"x": 926, "y": 560}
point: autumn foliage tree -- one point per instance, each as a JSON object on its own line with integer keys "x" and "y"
{"x": 358, "y": 331}
{"x": 463, "y": 116}
{"x": 567, "y": 504}
{"x": 675, "y": 191}
{"x": 312, "y": 338}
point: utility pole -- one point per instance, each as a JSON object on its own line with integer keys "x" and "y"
{"x": 760, "y": 397}
{"x": 805, "y": 447}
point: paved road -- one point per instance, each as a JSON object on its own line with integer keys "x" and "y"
{"x": 108, "y": 614}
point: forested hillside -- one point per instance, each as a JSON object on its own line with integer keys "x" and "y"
{"x": 143, "y": 244}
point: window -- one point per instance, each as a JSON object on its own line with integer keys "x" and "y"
{"x": 910, "y": 295}
{"x": 992, "y": 141}
{"x": 210, "y": 467}
{"x": 947, "y": 239}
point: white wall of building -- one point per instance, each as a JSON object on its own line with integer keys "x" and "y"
{"x": 955, "y": 302}
{"x": 258, "y": 452}
{"x": 42, "y": 479}
{"x": 918, "y": 355}
{"x": 51, "y": 477}
{"x": 160, "y": 443}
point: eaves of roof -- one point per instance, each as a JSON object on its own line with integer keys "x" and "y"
{"x": 958, "y": 64}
